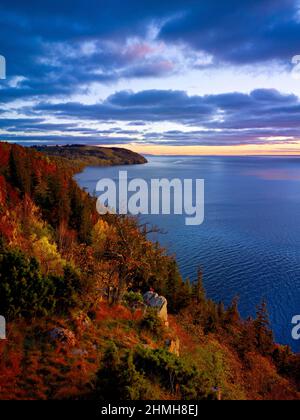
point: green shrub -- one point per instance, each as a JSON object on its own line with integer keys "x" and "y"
{"x": 212, "y": 362}
{"x": 142, "y": 374}
{"x": 67, "y": 289}
{"x": 118, "y": 378}
{"x": 26, "y": 292}
{"x": 174, "y": 374}
{"x": 152, "y": 323}
{"x": 133, "y": 299}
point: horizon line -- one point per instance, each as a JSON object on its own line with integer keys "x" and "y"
{"x": 239, "y": 150}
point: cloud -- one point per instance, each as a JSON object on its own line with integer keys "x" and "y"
{"x": 57, "y": 50}
{"x": 224, "y": 110}
{"x": 262, "y": 116}
{"x": 238, "y": 32}
{"x": 147, "y": 106}
{"x": 61, "y": 46}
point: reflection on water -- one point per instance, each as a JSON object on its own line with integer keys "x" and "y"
{"x": 276, "y": 174}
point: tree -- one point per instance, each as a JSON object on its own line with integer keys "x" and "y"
{"x": 48, "y": 255}
{"x": 101, "y": 233}
{"x": 177, "y": 291}
{"x": 81, "y": 212}
{"x": 232, "y": 316}
{"x": 107, "y": 382}
{"x": 199, "y": 293}
{"x": 19, "y": 173}
{"x": 119, "y": 377}
{"x": 67, "y": 289}
{"x": 264, "y": 335}
{"x": 24, "y": 291}
{"x": 221, "y": 311}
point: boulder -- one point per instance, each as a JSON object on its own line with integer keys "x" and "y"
{"x": 160, "y": 303}
{"x": 62, "y": 336}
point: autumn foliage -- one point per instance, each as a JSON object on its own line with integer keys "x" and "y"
{"x": 70, "y": 287}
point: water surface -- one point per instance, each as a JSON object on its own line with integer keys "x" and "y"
{"x": 249, "y": 244}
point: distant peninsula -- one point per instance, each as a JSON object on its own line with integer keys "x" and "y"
{"x": 82, "y": 155}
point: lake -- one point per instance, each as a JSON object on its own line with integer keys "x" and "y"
{"x": 249, "y": 243}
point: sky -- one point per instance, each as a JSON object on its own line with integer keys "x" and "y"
{"x": 178, "y": 77}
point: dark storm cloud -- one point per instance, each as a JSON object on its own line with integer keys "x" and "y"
{"x": 239, "y": 32}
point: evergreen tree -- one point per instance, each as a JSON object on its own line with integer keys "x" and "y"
{"x": 19, "y": 173}
{"x": 264, "y": 335}
{"x": 211, "y": 318}
{"x": 119, "y": 378}
{"x": 107, "y": 382}
{"x": 172, "y": 292}
{"x": 24, "y": 291}
{"x": 221, "y": 311}
{"x": 232, "y": 315}
{"x": 198, "y": 289}
{"x": 178, "y": 292}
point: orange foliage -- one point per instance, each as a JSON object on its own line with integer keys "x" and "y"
{"x": 187, "y": 341}
{"x": 119, "y": 312}
{"x": 264, "y": 382}
{"x": 4, "y": 154}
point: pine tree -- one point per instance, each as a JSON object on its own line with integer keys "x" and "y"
{"x": 264, "y": 335}
{"x": 19, "y": 174}
{"x": 232, "y": 316}
{"x": 221, "y": 311}
{"x": 108, "y": 377}
{"x": 198, "y": 289}
{"x": 172, "y": 292}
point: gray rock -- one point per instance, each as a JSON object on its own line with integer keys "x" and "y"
{"x": 160, "y": 303}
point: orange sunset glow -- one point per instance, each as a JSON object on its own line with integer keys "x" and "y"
{"x": 239, "y": 150}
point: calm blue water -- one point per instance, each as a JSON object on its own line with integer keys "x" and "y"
{"x": 249, "y": 244}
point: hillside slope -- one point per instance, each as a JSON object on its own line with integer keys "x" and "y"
{"x": 81, "y": 155}
{"x": 71, "y": 285}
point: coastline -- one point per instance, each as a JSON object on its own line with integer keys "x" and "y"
{"x": 80, "y": 283}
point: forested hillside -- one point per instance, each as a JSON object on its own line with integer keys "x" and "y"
{"x": 71, "y": 285}
{"x": 81, "y": 155}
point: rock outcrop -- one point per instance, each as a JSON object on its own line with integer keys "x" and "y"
{"x": 153, "y": 300}
{"x": 62, "y": 336}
